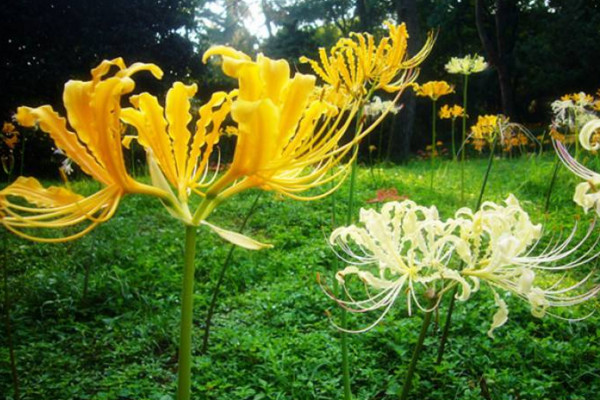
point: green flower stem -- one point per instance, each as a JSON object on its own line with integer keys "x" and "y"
{"x": 9, "y": 337}
{"x": 433, "y": 144}
{"x": 463, "y": 143}
{"x": 349, "y": 215}
{"x": 416, "y": 352}
{"x": 344, "y": 317}
{"x": 448, "y": 321}
{"x": 215, "y": 295}
{"x": 184, "y": 383}
{"x": 453, "y": 144}
{"x": 551, "y": 187}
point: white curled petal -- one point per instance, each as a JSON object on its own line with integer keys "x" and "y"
{"x": 586, "y": 134}
{"x": 501, "y": 315}
{"x": 583, "y": 198}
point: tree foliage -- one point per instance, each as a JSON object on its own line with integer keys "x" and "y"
{"x": 47, "y": 42}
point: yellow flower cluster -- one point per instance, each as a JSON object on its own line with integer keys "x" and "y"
{"x": 10, "y": 135}
{"x": 513, "y": 138}
{"x": 433, "y": 89}
{"x": 451, "y": 112}
{"x": 287, "y": 129}
{"x": 581, "y": 97}
{"x": 485, "y": 130}
{"x": 356, "y": 64}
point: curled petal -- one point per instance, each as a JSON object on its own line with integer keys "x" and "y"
{"x": 237, "y": 238}
{"x": 586, "y": 134}
{"x": 500, "y": 317}
{"x": 585, "y": 199}
{"x": 233, "y": 59}
{"x": 54, "y": 208}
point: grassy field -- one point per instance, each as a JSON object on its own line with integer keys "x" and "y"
{"x": 271, "y": 337}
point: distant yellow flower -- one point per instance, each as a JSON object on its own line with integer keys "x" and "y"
{"x": 470, "y": 64}
{"x": 10, "y": 135}
{"x": 8, "y": 127}
{"x": 433, "y": 89}
{"x": 453, "y": 112}
{"x": 580, "y": 98}
{"x": 356, "y": 61}
{"x": 567, "y": 139}
{"x": 485, "y": 128}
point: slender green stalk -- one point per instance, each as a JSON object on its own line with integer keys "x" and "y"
{"x": 463, "y": 143}
{"x": 453, "y": 144}
{"x": 551, "y": 187}
{"x": 448, "y": 321}
{"x": 433, "y": 144}
{"x": 215, "y": 295}
{"x": 184, "y": 384}
{"x": 416, "y": 353}
{"x": 7, "y": 323}
{"x": 344, "y": 317}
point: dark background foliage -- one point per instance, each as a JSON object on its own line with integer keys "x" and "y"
{"x": 546, "y": 48}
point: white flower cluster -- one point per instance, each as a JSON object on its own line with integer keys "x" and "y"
{"x": 470, "y": 64}
{"x": 406, "y": 248}
{"x": 377, "y": 107}
{"x": 587, "y": 194}
{"x": 573, "y": 110}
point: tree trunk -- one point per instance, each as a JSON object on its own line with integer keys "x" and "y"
{"x": 399, "y": 150}
{"x": 500, "y": 53}
{"x": 362, "y": 12}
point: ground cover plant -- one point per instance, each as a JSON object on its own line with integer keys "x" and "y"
{"x": 467, "y": 274}
{"x": 271, "y": 336}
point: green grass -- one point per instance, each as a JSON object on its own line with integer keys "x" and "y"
{"x": 271, "y": 337}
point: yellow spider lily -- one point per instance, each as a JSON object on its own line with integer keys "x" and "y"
{"x": 287, "y": 137}
{"x": 356, "y": 61}
{"x": 453, "y": 112}
{"x": 9, "y": 135}
{"x": 167, "y": 139}
{"x": 94, "y": 143}
{"x": 433, "y": 89}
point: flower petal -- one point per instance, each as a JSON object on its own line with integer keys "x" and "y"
{"x": 237, "y": 238}
{"x": 500, "y": 317}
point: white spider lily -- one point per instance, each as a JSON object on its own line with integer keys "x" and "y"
{"x": 407, "y": 248}
{"x": 503, "y": 242}
{"x": 377, "y": 107}
{"x": 586, "y": 193}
